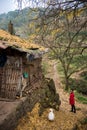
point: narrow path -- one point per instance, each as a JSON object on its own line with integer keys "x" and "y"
{"x": 65, "y": 96}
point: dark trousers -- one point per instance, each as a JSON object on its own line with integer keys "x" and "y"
{"x": 73, "y": 109}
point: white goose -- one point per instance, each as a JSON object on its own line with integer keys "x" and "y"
{"x": 51, "y": 115}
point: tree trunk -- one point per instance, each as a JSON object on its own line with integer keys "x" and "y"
{"x": 66, "y": 83}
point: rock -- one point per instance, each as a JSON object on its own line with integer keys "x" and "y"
{"x": 50, "y": 98}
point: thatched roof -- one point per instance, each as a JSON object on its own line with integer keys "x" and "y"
{"x": 8, "y": 40}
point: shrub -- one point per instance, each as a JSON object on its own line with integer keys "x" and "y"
{"x": 84, "y": 75}
{"x": 81, "y": 98}
{"x": 79, "y": 85}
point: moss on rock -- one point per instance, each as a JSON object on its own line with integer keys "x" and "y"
{"x": 50, "y": 98}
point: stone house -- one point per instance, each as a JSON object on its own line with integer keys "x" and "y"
{"x": 20, "y": 66}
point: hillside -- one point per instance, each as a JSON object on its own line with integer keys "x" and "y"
{"x": 20, "y": 20}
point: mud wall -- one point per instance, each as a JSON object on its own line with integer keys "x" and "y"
{"x": 10, "y": 122}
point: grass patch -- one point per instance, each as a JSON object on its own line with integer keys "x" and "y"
{"x": 81, "y": 98}
{"x": 45, "y": 67}
{"x": 84, "y": 121}
{"x": 60, "y": 70}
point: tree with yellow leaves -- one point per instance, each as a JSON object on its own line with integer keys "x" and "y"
{"x": 61, "y": 26}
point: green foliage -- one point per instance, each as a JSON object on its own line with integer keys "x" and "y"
{"x": 45, "y": 68}
{"x": 84, "y": 121}
{"x": 81, "y": 98}
{"x": 84, "y": 75}
{"x": 79, "y": 60}
{"x": 60, "y": 72}
{"x": 19, "y": 20}
{"x": 79, "y": 85}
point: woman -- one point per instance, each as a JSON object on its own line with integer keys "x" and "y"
{"x": 72, "y": 102}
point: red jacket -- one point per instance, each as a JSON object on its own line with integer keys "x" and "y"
{"x": 71, "y": 99}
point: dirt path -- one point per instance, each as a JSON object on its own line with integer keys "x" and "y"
{"x": 63, "y": 95}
